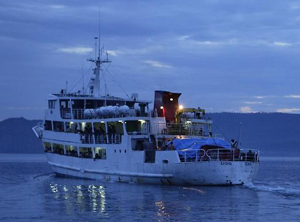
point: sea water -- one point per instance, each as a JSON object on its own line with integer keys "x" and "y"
{"x": 30, "y": 191}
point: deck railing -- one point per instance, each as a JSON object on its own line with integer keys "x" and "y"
{"x": 191, "y": 155}
{"x": 91, "y": 138}
{"x": 181, "y": 129}
{"x": 78, "y": 113}
{"x": 65, "y": 113}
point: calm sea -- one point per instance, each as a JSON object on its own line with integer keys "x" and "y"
{"x": 30, "y": 191}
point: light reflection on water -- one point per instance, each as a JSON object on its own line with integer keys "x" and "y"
{"x": 116, "y": 201}
{"x": 80, "y": 197}
{"x": 161, "y": 209}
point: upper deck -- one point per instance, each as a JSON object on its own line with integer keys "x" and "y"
{"x": 79, "y": 107}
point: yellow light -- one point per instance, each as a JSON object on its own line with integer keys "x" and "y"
{"x": 180, "y": 106}
{"x": 161, "y": 107}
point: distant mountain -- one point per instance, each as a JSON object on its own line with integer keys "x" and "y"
{"x": 16, "y": 136}
{"x": 274, "y": 134}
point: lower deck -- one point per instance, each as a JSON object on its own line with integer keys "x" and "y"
{"x": 151, "y": 155}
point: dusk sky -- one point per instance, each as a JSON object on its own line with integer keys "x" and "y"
{"x": 232, "y": 56}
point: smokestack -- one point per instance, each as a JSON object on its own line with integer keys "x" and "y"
{"x": 166, "y": 104}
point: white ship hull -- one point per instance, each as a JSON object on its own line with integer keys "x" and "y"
{"x": 188, "y": 173}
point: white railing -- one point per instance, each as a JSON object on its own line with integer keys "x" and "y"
{"x": 181, "y": 129}
{"x": 114, "y": 138}
{"x": 192, "y": 155}
{"x": 78, "y": 113}
{"x": 90, "y": 138}
{"x": 100, "y": 138}
{"x": 38, "y": 129}
{"x": 65, "y": 113}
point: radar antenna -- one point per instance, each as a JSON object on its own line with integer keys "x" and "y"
{"x": 94, "y": 84}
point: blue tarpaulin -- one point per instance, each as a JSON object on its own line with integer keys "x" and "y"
{"x": 194, "y": 145}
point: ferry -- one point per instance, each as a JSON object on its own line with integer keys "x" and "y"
{"x": 108, "y": 138}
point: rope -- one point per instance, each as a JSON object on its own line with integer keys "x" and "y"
{"x": 81, "y": 78}
{"x": 115, "y": 80}
{"x": 221, "y": 131}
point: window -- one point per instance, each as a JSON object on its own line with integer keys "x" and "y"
{"x": 63, "y": 104}
{"x": 51, "y": 104}
{"x": 99, "y": 128}
{"x": 71, "y": 150}
{"x": 85, "y": 152}
{"x": 137, "y": 127}
{"x": 85, "y": 127}
{"x": 58, "y": 126}
{"x": 100, "y": 153}
{"x": 115, "y": 128}
{"x": 100, "y": 133}
{"x": 48, "y": 125}
{"x": 71, "y": 127}
{"x": 58, "y": 148}
{"x": 47, "y": 147}
{"x": 115, "y": 132}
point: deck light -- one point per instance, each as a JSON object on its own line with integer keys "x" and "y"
{"x": 161, "y": 107}
{"x": 180, "y": 106}
{"x": 171, "y": 99}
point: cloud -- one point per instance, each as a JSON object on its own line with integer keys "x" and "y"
{"x": 224, "y": 42}
{"x": 194, "y": 42}
{"x": 232, "y": 42}
{"x": 76, "y": 50}
{"x": 253, "y": 103}
{"x": 288, "y": 110}
{"x": 156, "y": 64}
{"x": 293, "y": 96}
{"x": 57, "y": 6}
{"x": 260, "y": 97}
{"x": 208, "y": 43}
{"x": 112, "y": 52}
{"x": 282, "y": 44}
{"x": 246, "y": 109}
{"x": 183, "y": 37}
{"x": 295, "y": 6}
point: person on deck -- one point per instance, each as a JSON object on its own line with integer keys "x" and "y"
{"x": 171, "y": 146}
{"x": 234, "y": 143}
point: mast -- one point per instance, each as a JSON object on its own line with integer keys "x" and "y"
{"x": 94, "y": 84}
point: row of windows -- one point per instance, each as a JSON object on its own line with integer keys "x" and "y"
{"x": 68, "y": 150}
{"x": 87, "y": 104}
{"x": 116, "y": 127}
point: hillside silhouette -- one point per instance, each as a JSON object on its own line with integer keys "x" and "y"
{"x": 274, "y": 134}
